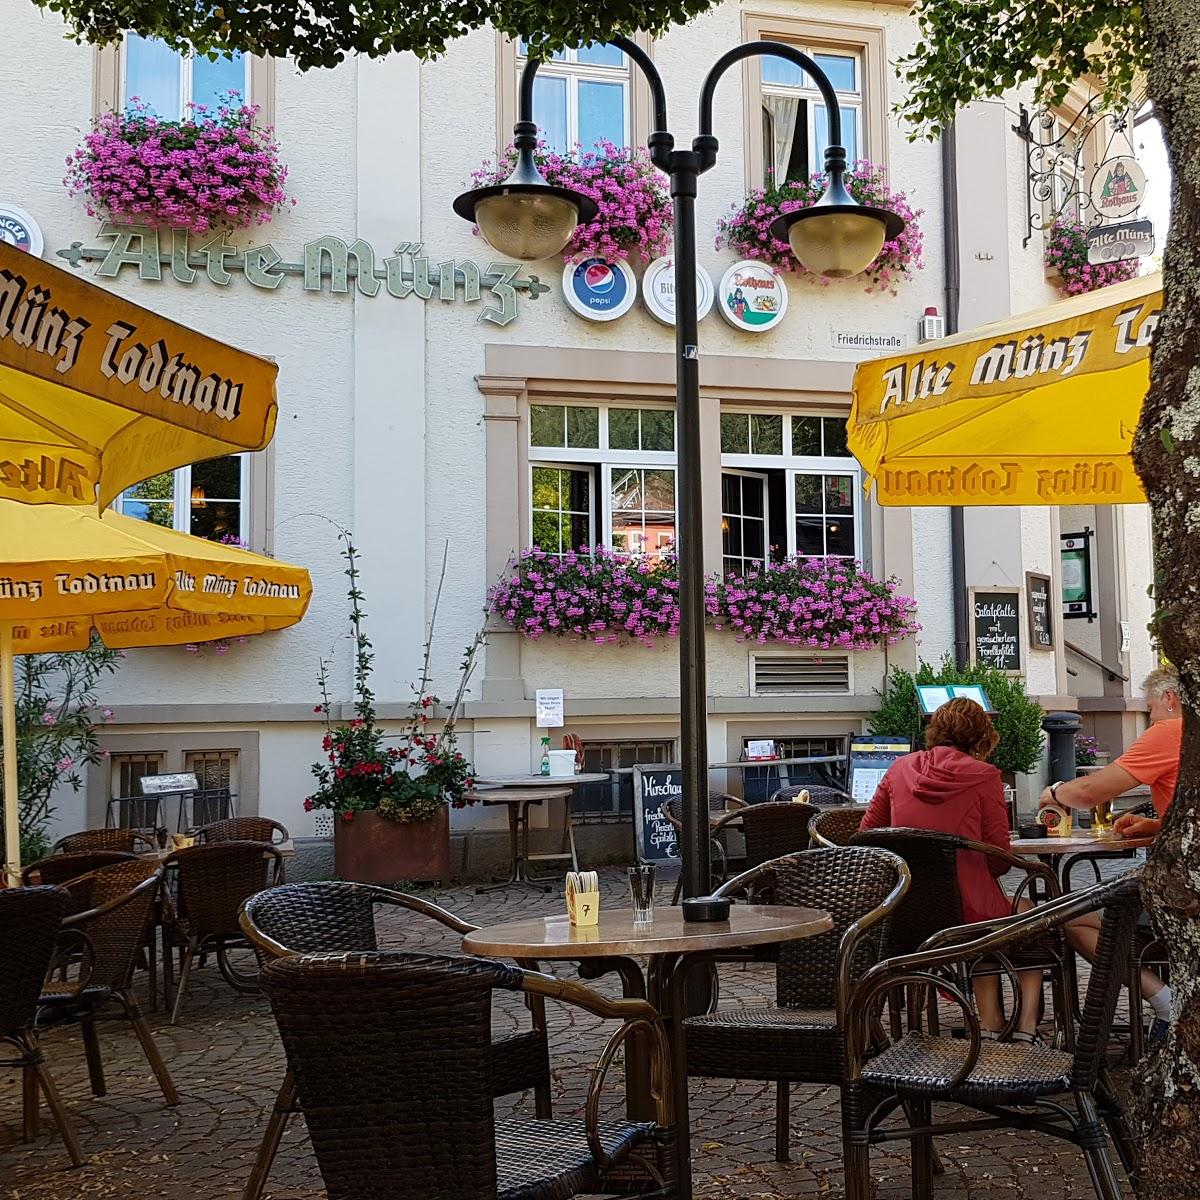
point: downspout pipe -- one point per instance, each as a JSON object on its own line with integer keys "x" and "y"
{"x": 953, "y": 290}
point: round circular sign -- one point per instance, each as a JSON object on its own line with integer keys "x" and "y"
{"x": 1118, "y": 187}
{"x": 599, "y": 290}
{"x": 658, "y": 290}
{"x": 753, "y": 296}
{"x": 18, "y": 228}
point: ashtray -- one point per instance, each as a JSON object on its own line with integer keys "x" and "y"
{"x": 706, "y": 908}
{"x": 1031, "y": 831}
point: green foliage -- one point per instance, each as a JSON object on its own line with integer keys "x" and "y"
{"x": 972, "y": 49}
{"x": 322, "y": 35}
{"x": 57, "y": 723}
{"x": 1018, "y": 719}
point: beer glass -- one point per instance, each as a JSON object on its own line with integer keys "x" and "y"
{"x": 1102, "y": 819}
{"x": 641, "y": 890}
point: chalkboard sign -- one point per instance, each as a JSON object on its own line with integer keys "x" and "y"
{"x": 996, "y": 629}
{"x": 654, "y": 836}
{"x": 1041, "y": 620}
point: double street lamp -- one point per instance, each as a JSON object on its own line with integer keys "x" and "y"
{"x": 528, "y": 219}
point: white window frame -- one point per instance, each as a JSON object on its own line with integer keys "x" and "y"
{"x": 235, "y": 763}
{"x": 575, "y": 72}
{"x": 606, "y": 459}
{"x": 811, "y": 95}
{"x": 182, "y": 512}
{"x": 800, "y": 464}
{"x": 766, "y": 517}
{"x": 606, "y": 475}
{"x": 185, "y": 80}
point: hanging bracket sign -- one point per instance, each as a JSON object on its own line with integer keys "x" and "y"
{"x": 1116, "y": 243}
{"x": 1118, "y": 186}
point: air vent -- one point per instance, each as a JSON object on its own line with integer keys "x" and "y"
{"x": 796, "y": 675}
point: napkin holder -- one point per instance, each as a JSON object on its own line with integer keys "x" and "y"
{"x": 181, "y": 841}
{"x": 1056, "y": 820}
{"x": 583, "y": 907}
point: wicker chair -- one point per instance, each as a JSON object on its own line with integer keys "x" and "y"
{"x": 819, "y": 796}
{"x": 65, "y": 868}
{"x": 212, "y": 884}
{"x": 309, "y": 918}
{"x": 1007, "y": 1081}
{"x": 124, "y": 900}
{"x": 836, "y": 826}
{"x": 799, "y": 1038}
{"x": 771, "y": 830}
{"x": 131, "y": 841}
{"x": 243, "y": 829}
{"x": 29, "y": 925}
{"x": 397, "y": 1088}
{"x": 720, "y": 805}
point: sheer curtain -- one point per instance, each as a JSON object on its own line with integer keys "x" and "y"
{"x": 783, "y": 136}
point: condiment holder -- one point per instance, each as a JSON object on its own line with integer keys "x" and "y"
{"x": 1056, "y": 820}
{"x": 801, "y": 797}
{"x": 181, "y": 841}
{"x": 583, "y": 897}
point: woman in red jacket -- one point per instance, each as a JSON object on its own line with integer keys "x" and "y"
{"x": 951, "y": 788}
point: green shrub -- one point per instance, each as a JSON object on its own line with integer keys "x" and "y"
{"x": 1018, "y": 719}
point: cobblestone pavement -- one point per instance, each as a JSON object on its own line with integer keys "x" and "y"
{"x": 226, "y": 1062}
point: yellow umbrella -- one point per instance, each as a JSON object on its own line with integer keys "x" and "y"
{"x": 1035, "y": 409}
{"x": 97, "y": 394}
{"x": 66, "y": 572}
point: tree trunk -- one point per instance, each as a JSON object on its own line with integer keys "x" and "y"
{"x": 1167, "y": 453}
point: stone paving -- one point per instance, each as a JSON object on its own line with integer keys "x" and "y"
{"x": 226, "y": 1062}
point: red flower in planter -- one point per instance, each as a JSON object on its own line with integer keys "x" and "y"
{"x": 347, "y": 816}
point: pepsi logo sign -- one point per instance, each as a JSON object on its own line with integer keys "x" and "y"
{"x": 598, "y": 289}
{"x": 18, "y": 228}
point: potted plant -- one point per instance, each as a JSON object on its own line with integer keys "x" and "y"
{"x": 1018, "y": 719}
{"x": 1067, "y": 261}
{"x": 390, "y": 795}
{"x": 747, "y": 228}
{"x": 205, "y": 172}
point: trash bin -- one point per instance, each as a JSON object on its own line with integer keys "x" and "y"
{"x": 1061, "y": 728}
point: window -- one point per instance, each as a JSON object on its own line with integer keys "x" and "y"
{"x": 609, "y": 801}
{"x": 762, "y": 782}
{"x": 789, "y": 486}
{"x": 126, "y": 771}
{"x": 207, "y": 499}
{"x": 169, "y": 81}
{"x": 216, "y": 774}
{"x": 602, "y": 473}
{"x": 795, "y": 120}
{"x": 581, "y": 96}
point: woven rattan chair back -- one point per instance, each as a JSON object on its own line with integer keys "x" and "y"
{"x": 213, "y": 882}
{"x": 836, "y": 826}
{"x": 1121, "y": 903}
{"x": 719, "y": 803}
{"x": 123, "y": 899}
{"x": 933, "y": 901}
{"x": 131, "y": 841}
{"x": 392, "y": 1059}
{"x": 819, "y": 796}
{"x": 316, "y": 918}
{"x": 29, "y": 923}
{"x": 69, "y": 868}
{"x": 774, "y": 829}
{"x": 848, "y": 882}
{"x": 243, "y": 829}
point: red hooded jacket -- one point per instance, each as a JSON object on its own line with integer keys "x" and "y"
{"x": 948, "y": 791}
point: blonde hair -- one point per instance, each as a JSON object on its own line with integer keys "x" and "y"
{"x": 1161, "y": 681}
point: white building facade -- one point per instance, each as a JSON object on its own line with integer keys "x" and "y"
{"x": 426, "y": 425}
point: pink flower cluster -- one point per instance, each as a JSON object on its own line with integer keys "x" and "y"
{"x": 634, "y": 216}
{"x": 206, "y": 171}
{"x": 747, "y": 228}
{"x": 606, "y": 598}
{"x": 1067, "y": 257}
{"x": 824, "y": 603}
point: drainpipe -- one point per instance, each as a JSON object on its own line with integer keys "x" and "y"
{"x": 953, "y": 269}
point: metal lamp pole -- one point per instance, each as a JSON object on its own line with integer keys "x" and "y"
{"x": 528, "y": 218}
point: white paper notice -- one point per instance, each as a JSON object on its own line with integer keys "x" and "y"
{"x": 760, "y": 749}
{"x": 549, "y": 705}
{"x": 865, "y": 781}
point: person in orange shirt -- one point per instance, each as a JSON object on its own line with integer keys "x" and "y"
{"x": 1152, "y": 760}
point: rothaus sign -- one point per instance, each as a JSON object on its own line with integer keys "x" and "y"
{"x": 326, "y": 263}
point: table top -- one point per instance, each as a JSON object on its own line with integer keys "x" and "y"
{"x": 515, "y": 795}
{"x": 1078, "y": 843}
{"x": 616, "y": 933}
{"x": 540, "y": 781}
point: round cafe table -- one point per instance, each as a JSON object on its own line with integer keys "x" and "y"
{"x": 616, "y": 943}
{"x": 1062, "y": 853}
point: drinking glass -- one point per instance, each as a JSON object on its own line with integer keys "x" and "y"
{"x": 641, "y": 890}
{"x": 1102, "y": 818}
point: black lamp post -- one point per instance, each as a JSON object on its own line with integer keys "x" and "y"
{"x": 527, "y": 219}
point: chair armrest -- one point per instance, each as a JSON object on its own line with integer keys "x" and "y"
{"x": 730, "y": 818}
{"x": 426, "y": 908}
{"x": 635, "y": 1015}
{"x": 71, "y": 946}
{"x": 742, "y": 882}
{"x": 78, "y": 920}
{"x": 1033, "y": 869}
{"x": 854, "y": 932}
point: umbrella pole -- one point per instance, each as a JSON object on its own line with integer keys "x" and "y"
{"x": 12, "y": 807}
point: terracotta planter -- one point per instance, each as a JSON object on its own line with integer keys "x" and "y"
{"x": 372, "y": 849}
